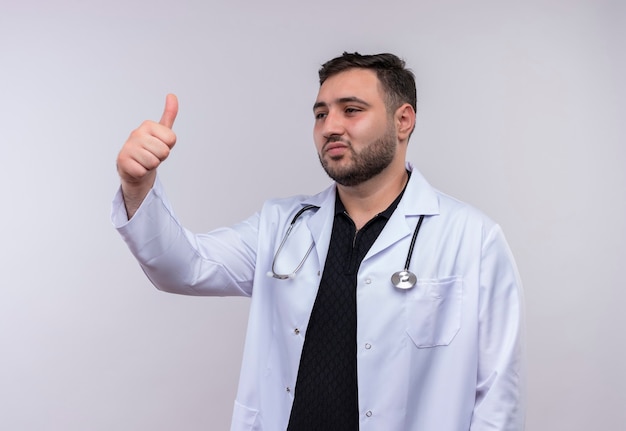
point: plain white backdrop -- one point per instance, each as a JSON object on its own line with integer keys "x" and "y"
{"x": 522, "y": 113}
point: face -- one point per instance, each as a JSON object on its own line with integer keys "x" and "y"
{"x": 354, "y": 134}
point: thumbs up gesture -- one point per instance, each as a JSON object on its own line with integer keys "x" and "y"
{"x": 145, "y": 149}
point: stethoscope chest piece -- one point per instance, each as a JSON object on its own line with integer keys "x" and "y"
{"x": 403, "y": 279}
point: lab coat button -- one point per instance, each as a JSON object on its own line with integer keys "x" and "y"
{"x": 368, "y": 281}
{"x": 368, "y": 414}
{"x": 296, "y": 331}
{"x": 368, "y": 346}
{"x": 288, "y": 389}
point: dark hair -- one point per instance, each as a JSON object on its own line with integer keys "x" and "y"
{"x": 398, "y": 82}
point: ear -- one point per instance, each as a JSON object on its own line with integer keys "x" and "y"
{"x": 405, "y": 121}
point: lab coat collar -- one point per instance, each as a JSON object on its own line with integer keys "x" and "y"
{"x": 419, "y": 199}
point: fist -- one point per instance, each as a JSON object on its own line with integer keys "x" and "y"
{"x": 148, "y": 146}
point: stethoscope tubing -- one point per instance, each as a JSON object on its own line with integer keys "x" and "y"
{"x": 412, "y": 246}
{"x": 273, "y": 272}
{"x": 404, "y": 279}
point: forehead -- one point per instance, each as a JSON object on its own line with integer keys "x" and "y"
{"x": 360, "y": 83}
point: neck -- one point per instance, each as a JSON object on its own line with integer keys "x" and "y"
{"x": 365, "y": 201}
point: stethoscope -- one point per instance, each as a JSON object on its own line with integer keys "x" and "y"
{"x": 291, "y": 275}
{"x": 404, "y": 279}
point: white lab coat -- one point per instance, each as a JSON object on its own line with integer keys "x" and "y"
{"x": 446, "y": 355}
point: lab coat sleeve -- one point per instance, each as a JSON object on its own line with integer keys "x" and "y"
{"x": 218, "y": 263}
{"x": 500, "y": 392}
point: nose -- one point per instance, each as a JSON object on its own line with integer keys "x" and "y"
{"x": 332, "y": 125}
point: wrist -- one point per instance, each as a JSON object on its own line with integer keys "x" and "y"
{"x": 134, "y": 192}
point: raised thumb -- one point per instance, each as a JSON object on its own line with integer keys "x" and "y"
{"x": 170, "y": 111}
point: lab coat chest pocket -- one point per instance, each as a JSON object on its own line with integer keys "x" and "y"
{"x": 434, "y": 311}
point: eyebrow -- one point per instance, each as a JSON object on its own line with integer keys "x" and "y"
{"x": 341, "y": 100}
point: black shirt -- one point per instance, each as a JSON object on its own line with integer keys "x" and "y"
{"x": 326, "y": 393}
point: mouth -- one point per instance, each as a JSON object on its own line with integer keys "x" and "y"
{"x": 335, "y": 149}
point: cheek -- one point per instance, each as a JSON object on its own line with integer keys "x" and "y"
{"x": 363, "y": 136}
{"x": 367, "y": 128}
{"x": 318, "y": 139}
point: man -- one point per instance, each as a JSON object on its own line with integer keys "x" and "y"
{"x": 338, "y": 339}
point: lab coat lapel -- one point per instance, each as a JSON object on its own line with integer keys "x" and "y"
{"x": 419, "y": 199}
{"x": 396, "y": 229}
{"x": 320, "y": 224}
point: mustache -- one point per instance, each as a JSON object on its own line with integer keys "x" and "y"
{"x": 336, "y": 138}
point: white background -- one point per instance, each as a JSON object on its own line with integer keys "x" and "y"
{"x": 521, "y": 113}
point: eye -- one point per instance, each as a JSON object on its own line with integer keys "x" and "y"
{"x": 320, "y": 115}
{"x": 352, "y": 110}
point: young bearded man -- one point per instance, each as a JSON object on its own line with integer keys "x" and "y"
{"x": 338, "y": 338}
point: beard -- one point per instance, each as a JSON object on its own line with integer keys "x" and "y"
{"x": 366, "y": 164}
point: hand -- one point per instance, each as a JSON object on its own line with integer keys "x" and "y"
{"x": 148, "y": 146}
{"x": 143, "y": 152}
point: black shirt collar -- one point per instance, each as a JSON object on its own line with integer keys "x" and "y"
{"x": 341, "y": 209}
